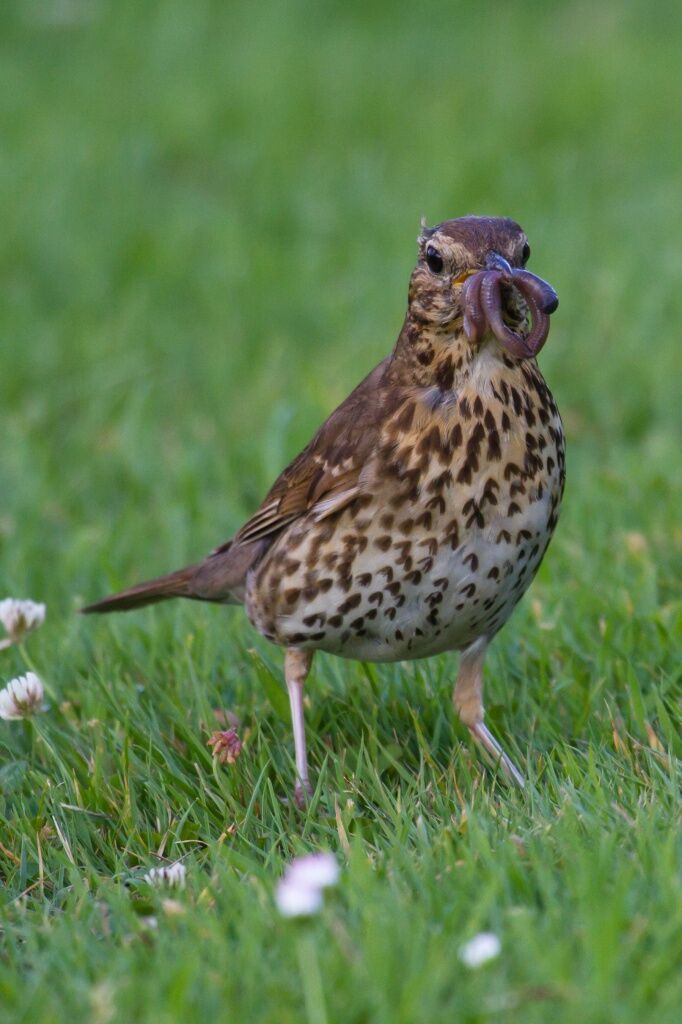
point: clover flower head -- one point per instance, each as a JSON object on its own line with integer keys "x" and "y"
{"x": 20, "y": 617}
{"x": 22, "y": 697}
{"x": 226, "y": 745}
{"x": 299, "y": 892}
{"x": 483, "y": 947}
{"x": 170, "y": 876}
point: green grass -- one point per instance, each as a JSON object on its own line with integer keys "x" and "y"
{"x": 208, "y": 219}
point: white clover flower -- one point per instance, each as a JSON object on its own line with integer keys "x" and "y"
{"x": 22, "y": 697}
{"x": 483, "y": 947}
{"x": 20, "y": 618}
{"x": 297, "y": 900}
{"x": 171, "y": 876}
{"x": 299, "y": 893}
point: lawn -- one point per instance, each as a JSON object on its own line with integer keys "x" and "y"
{"x": 209, "y": 215}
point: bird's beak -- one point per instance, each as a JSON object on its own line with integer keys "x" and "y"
{"x": 461, "y": 278}
{"x": 496, "y": 262}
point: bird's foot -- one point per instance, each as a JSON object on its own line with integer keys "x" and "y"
{"x": 485, "y": 739}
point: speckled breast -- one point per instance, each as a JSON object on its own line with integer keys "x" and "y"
{"x": 457, "y": 510}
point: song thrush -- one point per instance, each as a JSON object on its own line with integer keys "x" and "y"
{"x": 417, "y": 516}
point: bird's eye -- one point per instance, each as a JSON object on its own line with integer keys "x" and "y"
{"x": 525, "y": 254}
{"x": 434, "y": 259}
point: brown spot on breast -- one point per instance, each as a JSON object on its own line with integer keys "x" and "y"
{"x": 436, "y": 503}
{"x": 424, "y": 520}
{"x": 489, "y": 496}
{"x": 464, "y": 475}
{"x": 383, "y": 543}
{"x": 494, "y": 453}
{"x": 445, "y": 374}
{"x": 292, "y": 595}
{"x": 456, "y": 436}
{"x": 443, "y": 479}
{"x": 452, "y": 534}
{"x": 476, "y": 515}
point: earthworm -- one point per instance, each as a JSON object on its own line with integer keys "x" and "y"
{"x": 482, "y": 301}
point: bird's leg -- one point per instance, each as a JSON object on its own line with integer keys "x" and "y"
{"x": 468, "y": 701}
{"x": 296, "y": 668}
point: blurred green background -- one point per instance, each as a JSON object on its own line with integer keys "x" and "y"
{"x": 209, "y": 213}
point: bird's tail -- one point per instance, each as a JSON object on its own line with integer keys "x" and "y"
{"x": 175, "y": 584}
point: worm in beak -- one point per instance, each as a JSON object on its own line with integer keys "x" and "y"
{"x": 482, "y": 299}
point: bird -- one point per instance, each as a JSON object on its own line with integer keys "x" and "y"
{"x": 415, "y": 519}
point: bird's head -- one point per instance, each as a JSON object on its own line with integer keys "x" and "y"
{"x": 470, "y": 275}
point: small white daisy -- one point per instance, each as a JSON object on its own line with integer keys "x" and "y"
{"x": 20, "y": 618}
{"x": 483, "y": 947}
{"x": 22, "y": 697}
{"x": 171, "y": 876}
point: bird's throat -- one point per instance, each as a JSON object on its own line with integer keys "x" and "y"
{"x": 432, "y": 355}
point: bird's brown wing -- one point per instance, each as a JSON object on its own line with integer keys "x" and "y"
{"x": 324, "y": 478}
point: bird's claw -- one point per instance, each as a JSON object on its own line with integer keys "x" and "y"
{"x": 485, "y": 739}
